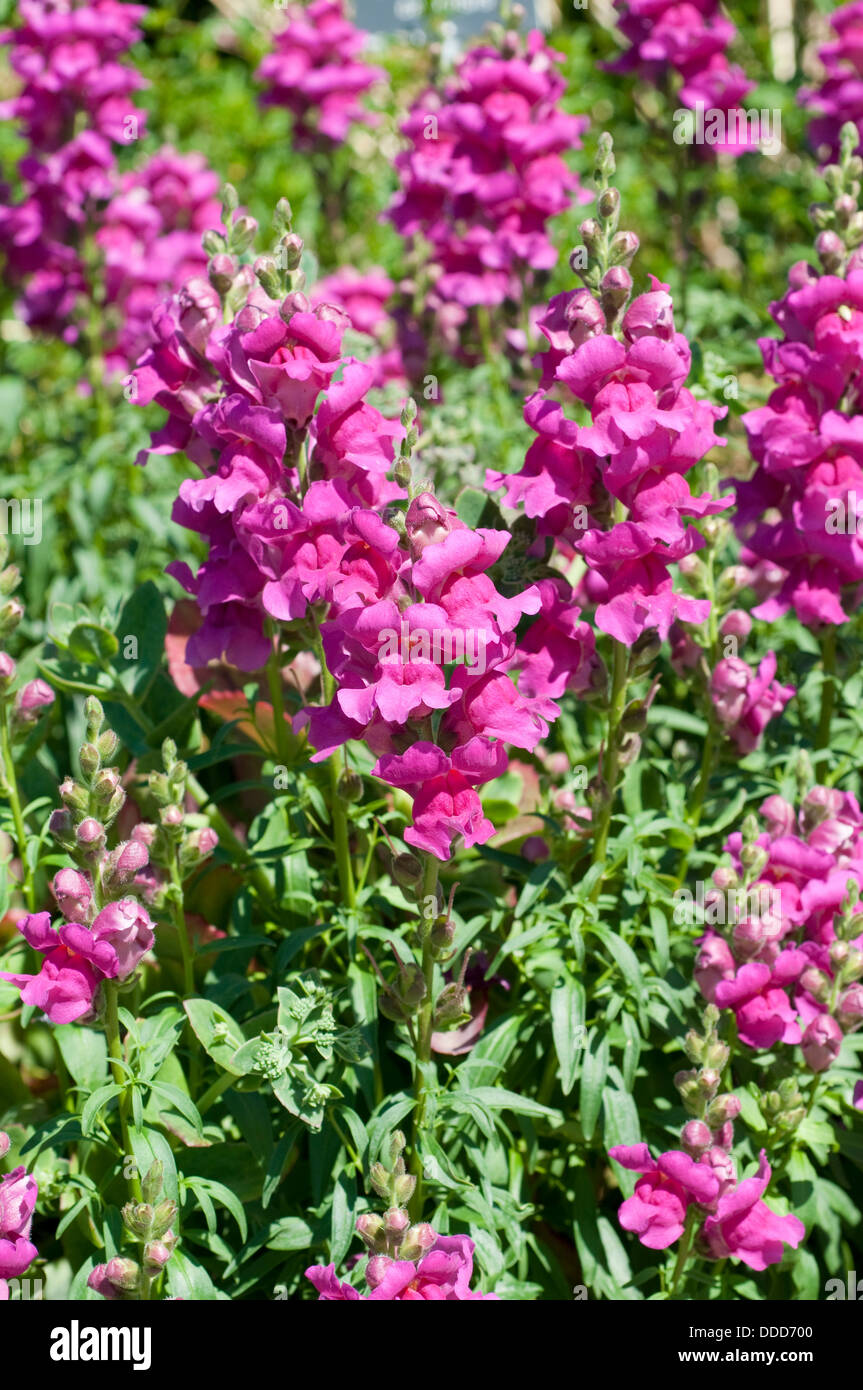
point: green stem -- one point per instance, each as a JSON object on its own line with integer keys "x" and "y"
{"x": 340, "y": 821}
{"x": 611, "y": 760}
{"x": 828, "y": 688}
{"x": 11, "y": 784}
{"x": 684, "y": 1249}
{"x": 115, "y": 1054}
{"x": 211, "y": 1095}
{"x": 425, "y": 1027}
{"x": 277, "y": 700}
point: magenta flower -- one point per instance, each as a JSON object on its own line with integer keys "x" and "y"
{"x": 481, "y": 177}
{"x": 656, "y": 1211}
{"x": 838, "y": 98}
{"x": 18, "y": 1193}
{"x": 446, "y": 803}
{"x": 745, "y": 703}
{"x": 688, "y": 40}
{"x": 315, "y": 71}
{"x": 126, "y": 928}
{"x": 764, "y": 1012}
{"x": 443, "y": 1274}
{"x": 744, "y": 1227}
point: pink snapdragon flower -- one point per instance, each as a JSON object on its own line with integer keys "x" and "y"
{"x": 743, "y": 1226}
{"x": 78, "y": 958}
{"x": 656, "y": 1211}
{"x": 796, "y": 514}
{"x": 837, "y": 99}
{"x": 646, "y": 431}
{"x": 18, "y": 1194}
{"x": 316, "y": 72}
{"x": 676, "y": 38}
{"x": 745, "y": 703}
{"x": 443, "y": 1274}
{"x": 482, "y": 176}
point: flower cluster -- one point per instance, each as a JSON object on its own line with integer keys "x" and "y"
{"x": 484, "y": 173}
{"x": 104, "y": 932}
{"x": 18, "y": 1193}
{"x": 147, "y": 1223}
{"x": 789, "y": 962}
{"x": 287, "y": 458}
{"x": 687, "y": 42}
{"x": 316, "y": 73}
{"x": 85, "y": 239}
{"x": 614, "y": 491}
{"x": 74, "y": 105}
{"x": 797, "y": 514}
{"x": 296, "y": 476}
{"x": 406, "y": 1263}
{"x": 837, "y": 98}
{"x": 697, "y": 1185}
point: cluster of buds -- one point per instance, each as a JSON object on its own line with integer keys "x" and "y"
{"x": 602, "y": 263}
{"x": 401, "y": 999}
{"x": 231, "y": 279}
{"x": 21, "y": 705}
{"x": 90, "y": 807}
{"x": 711, "y": 1131}
{"x": 279, "y": 273}
{"x": 147, "y": 1223}
{"x": 840, "y": 220}
{"x": 391, "y": 1236}
{"x": 172, "y": 838}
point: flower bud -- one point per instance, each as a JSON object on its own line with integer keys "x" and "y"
{"x": 156, "y": 1256}
{"x": 151, "y": 1183}
{"x": 138, "y": 1218}
{"x": 73, "y": 894}
{"x": 242, "y": 234}
{"x": 407, "y": 870}
{"x": 7, "y": 671}
{"x": 695, "y": 1137}
{"x": 350, "y": 786}
{"x": 608, "y": 204}
{"x": 623, "y": 248}
{"x": 849, "y": 1013}
{"x": 721, "y": 1110}
{"x": 821, "y": 1043}
{"x": 418, "y": 1241}
{"x": 369, "y": 1228}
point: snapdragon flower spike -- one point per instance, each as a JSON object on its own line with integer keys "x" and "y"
{"x": 797, "y": 514}
{"x": 700, "y": 1179}
{"x": 67, "y": 57}
{"x": 837, "y": 99}
{"x": 789, "y": 958}
{"x": 18, "y": 1194}
{"x": 614, "y": 491}
{"x": 316, "y": 72}
{"x": 686, "y": 43}
{"x": 243, "y": 399}
{"x": 483, "y": 175}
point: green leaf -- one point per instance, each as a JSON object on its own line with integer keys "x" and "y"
{"x": 96, "y": 1103}
{"x": 568, "y": 1008}
{"x": 218, "y": 1033}
{"x": 594, "y": 1070}
{"x": 85, "y": 1054}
